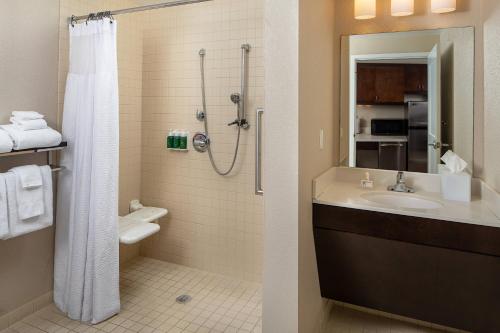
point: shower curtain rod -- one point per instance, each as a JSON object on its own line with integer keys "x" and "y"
{"x": 141, "y": 8}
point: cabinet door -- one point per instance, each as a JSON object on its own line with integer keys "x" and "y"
{"x": 390, "y": 276}
{"x": 389, "y": 84}
{"x": 365, "y": 84}
{"x": 416, "y": 78}
{"x": 468, "y": 294}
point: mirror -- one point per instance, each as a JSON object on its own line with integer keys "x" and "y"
{"x": 406, "y": 99}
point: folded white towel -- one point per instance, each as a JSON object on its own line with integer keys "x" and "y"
{"x": 17, "y": 226}
{"x": 28, "y": 125}
{"x": 33, "y": 139}
{"x": 6, "y": 143}
{"x": 29, "y": 176}
{"x": 29, "y": 191}
{"x": 4, "y": 217}
{"x": 27, "y": 115}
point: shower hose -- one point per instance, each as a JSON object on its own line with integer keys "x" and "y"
{"x": 205, "y": 122}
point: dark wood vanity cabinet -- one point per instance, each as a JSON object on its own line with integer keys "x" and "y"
{"x": 441, "y": 272}
{"x": 388, "y": 83}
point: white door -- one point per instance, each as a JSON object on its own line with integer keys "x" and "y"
{"x": 434, "y": 113}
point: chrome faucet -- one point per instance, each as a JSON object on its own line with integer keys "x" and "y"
{"x": 400, "y": 185}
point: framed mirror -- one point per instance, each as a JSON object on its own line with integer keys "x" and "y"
{"x": 406, "y": 99}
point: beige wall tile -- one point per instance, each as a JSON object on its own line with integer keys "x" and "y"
{"x": 214, "y": 222}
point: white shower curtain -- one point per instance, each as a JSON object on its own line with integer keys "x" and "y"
{"x": 86, "y": 276}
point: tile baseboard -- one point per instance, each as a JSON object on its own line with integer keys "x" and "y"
{"x": 25, "y": 310}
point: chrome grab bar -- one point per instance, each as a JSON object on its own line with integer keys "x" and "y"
{"x": 258, "y": 152}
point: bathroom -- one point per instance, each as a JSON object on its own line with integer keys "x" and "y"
{"x": 244, "y": 248}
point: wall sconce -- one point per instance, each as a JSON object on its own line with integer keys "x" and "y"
{"x": 402, "y": 7}
{"x": 443, "y": 6}
{"x": 365, "y": 9}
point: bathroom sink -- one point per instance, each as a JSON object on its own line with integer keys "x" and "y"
{"x": 401, "y": 200}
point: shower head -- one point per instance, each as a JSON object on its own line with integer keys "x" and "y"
{"x": 202, "y": 52}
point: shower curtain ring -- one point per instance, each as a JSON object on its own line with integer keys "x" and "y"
{"x": 90, "y": 17}
{"x": 73, "y": 21}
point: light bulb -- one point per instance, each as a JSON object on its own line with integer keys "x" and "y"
{"x": 365, "y": 9}
{"x": 402, "y": 7}
{"x": 443, "y": 6}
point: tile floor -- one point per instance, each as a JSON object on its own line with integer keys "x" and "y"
{"x": 148, "y": 291}
{"x": 149, "y": 288}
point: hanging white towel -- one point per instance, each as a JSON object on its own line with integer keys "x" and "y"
{"x": 6, "y": 143}
{"x": 29, "y": 176}
{"x": 28, "y": 125}
{"x": 4, "y": 217}
{"x": 29, "y": 191}
{"x": 27, "y": 115}
{"x": 33, "y": 139}
{"x": 17, "y": 226}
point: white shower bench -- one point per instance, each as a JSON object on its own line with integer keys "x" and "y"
{"x": 140, "y": 224}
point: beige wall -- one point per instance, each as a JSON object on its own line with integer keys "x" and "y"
{"x": 28, "y": 81}
{"x": 214, "y": 222}
{"x": 457, "y": 49}
{"x": 316, "y": 103}
{"x": 491, "y": 14}
{"x": 281, "y": 163}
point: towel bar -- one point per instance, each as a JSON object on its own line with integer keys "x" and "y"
{"x": 56, "y": 168}
{"x": 48, "y": 150}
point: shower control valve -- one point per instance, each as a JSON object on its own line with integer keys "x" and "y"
{"x": 244, "y": 124}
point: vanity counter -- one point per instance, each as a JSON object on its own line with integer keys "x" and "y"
{"x": 342, "y": 190}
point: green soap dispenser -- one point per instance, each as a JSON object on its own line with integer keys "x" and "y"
{"x": 170, "y": 139}
{"x": 176, "y": 140}
{"x": 183, "y": 140}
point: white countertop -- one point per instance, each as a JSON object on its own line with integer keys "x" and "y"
{"x": 380, "y": 138}
{"x": 348, "y": 194}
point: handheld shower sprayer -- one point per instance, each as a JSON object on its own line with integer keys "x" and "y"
{"x": 202, "y": 139}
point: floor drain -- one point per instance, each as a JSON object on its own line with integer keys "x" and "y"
{"x": 183, "y": 299}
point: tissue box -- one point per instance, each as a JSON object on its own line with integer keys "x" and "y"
{"x": 455, "y": 186}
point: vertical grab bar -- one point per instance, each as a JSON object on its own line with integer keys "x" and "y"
{"x": 245, "y": 49}
{"x": 258, "y": 152}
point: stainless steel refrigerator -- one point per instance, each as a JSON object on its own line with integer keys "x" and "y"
{"x": 417, "y": 136}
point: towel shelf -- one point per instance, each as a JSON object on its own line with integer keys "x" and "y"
{"x": 61, "y": 146}
{"x": 48, "y": 150}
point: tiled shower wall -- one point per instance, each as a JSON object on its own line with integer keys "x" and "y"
{"x": 214, "y": 222}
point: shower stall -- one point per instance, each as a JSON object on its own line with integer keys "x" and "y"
{"x": 194, "y": 66}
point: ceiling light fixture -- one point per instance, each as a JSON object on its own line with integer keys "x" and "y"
{"x": 402, "y": 7}
{"x": 443, "y": 6}
{"x": 365, "y": 9}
